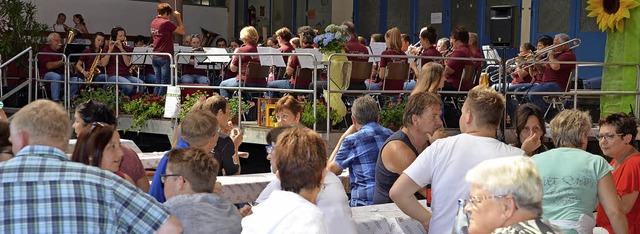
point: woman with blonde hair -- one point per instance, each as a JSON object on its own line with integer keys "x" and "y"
{"x": 430, "y": 79}
{"x": 394, "y": 47}
{"x": 249, "y": 36}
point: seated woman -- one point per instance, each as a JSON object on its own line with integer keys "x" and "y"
{"x": 506, "y": 197}
{"x": 394, "y": 47}
{"x": 288, "y": 111}
{"x": 100, "y": 146}
{"x": 520, "y": 77}
{"x": 85, "y": 62}
{"x": 575, "y": 180}
{"x": 190, "y": 74}
{"x": 118, "y": 65}
{"x": 94, "y": 111}
{"x": 5, "y": 145}
{"x": 300, "y": 157}
{"x": 530, "y": 129}
{"x": 249, "y": 36}
{"x": 617, "y": 138}
{"x": 430, "y": 78}
{"x": 427, "y": 39}
{"x": 306, "y": 35}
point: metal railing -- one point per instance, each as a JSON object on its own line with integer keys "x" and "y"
{"x": 20, "y": 86}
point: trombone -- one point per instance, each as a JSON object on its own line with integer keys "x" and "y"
{"x": 538, "y": 56}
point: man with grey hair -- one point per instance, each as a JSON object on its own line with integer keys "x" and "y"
{"x": 556, "y": 76}
{"x": 51, "y": 67}
{"x": 358, "y": 150}
{"x": 44, "y": 192}
{"x": 445, "y": 162}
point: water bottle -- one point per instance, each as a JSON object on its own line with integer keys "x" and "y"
{"x": 461, "y": 223}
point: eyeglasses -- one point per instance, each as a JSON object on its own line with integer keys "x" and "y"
{"x": 270, "y": 149}
{"x": 475, "y": 200}
{"x": 608, "y": 136}
{"x": 163, "y": 177}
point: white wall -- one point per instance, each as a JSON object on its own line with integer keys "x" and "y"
{"x": 134, "y": 16}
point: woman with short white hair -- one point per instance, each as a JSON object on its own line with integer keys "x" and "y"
{"x": 575, "y": 180}
{"x": 506, "y": 197}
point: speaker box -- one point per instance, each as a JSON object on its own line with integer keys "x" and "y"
{"x": 501, "y": 26}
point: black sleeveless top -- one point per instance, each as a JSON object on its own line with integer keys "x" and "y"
{"x": 385, "y": 178}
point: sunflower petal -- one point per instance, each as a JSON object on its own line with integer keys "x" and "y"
{"x": 623, "y": 13}
{"x": 620, "y": 25}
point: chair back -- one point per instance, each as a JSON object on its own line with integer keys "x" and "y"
{"x": 256, "y": 74}
{"x": 397, "y": 74}
{"x": 303, "y": 79}
{"x": 360, "y": 71}
{"x": 468, "y": 75}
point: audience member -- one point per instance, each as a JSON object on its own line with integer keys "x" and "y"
{"x": 332, "y": 200}
{"x": 51, "y": 67}
{"x": 229, "y": 138}
{"x": 530, "y": 129}
{"x": 99, "y": 146}
{"x": 118, "y": 65}
{"x": 445, "y": 162}
{"x": 421, "y": 127}
{"x": 300, "y": 159}
{"x": 80, "y": 25}
{"x": 188, "y": 185}
{"x": 358, "y": 150}
{"x": 430, "y": 79}
{"x": 162, "y": 30}
{"x": 60, "y": 26}
{"x": 288, "y": 111}
{"x": 249, "y": 36}
{"x": 79, "y": 198}
{"x": 617, "y": 138}
{"x": 575, "y": 180}
{"x": 506, "y": 197}
{"x": 93, "y": 111}
{"x": 5, "y": 144}
{"x": 198, "y": 129}
{"x": 394, "y": 47}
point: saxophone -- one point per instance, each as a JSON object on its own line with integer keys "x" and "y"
{"x": 94, "y": 67}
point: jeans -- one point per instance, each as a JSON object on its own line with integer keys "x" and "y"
{"x": 193, "y": 79}
{"x": 55, "y": 86}
{"x": 162, "y": 69}
{"x": 409, "y": 85}
{"x": 232, "y": 82}
{"x": 125, "y": 84}
{"x": 545, "y": 87}
{"x": 372, "y": 86}
{"x": 279, "y": 84}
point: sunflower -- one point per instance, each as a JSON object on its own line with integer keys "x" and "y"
{"x": 611, "y": 13}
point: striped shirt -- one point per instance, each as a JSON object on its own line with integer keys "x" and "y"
{"x": 43, "y": 192}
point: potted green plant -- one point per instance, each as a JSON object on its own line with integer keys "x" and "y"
{"x": 189, "y": 101}
{"x": 143, "y": 107}
{"x": 233, "y": 106}
{"x": 320, "y": 118}
{"x": 391, "y": 115}
{"x": 106, "y": 96}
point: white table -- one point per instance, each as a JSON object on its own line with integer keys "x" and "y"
{"x": 385, "y": 219}
{"x": 246, "y": 188}
{"x": 151, "y": 160}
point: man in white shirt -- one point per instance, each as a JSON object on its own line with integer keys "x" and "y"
{"x": 445, "y": 163}
{"x": 332, "y": 200}
{"x": 300, "y": 159}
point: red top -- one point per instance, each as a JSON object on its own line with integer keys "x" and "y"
{"x": 430, "y": 51}
{"x": 286, "y": 48}
{"x": 355, "y": 47}
{"x": 458, "y": 66}
{"x": 123, "y": 70}
{"x": 131, "y": 164}
{"x": 246, "y": 48}
{"x": 476, "y": 53}
{"x": 188, "y": 69}
{"x": 162, "y": 32}
{"x": 87, "y": 60}
{"x": 561, "y": 76}
{"x": 46, "y": 58}
{"x": 294, "y": 63}
{"x": 385, "y": 61}
{"x": 627, "y": 180}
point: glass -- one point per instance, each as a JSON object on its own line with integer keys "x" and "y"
{"x": 163, "y": 177}
{"x": 475, "y": 200}
{"x": 553, "y": 16}
{"x": 269, "y": 149}
{"x": 398, "y": 15}
{"x": 608, "y": 136}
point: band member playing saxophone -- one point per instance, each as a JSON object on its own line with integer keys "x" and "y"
{"x": 117, "y": 44}
{"x": 51, "y": 67}
{"x": 87, "y": 62}
{"x": 162, "y": 30}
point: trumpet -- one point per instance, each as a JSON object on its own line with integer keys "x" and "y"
{"x": 540, "y": 55}
{"x": 71, "y": 34}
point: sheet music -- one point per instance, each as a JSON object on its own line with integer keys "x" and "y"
{"x": 141, "y": 59}
{"x": 376, "y": 48}
{"x": 271, "y": 60}
{"x": 217, "y": 59}
{"x": 183, "y": 49}
{"x": 308, "y": 61}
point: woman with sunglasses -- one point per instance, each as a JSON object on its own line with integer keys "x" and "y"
{"x": 617, "y": 138}
{"x": 94, "y": 111}
{"x": 506, "y": 197}
{"x": 100, "y": 146}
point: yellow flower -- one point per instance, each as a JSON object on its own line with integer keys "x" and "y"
{"x": 611, "y": 13}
